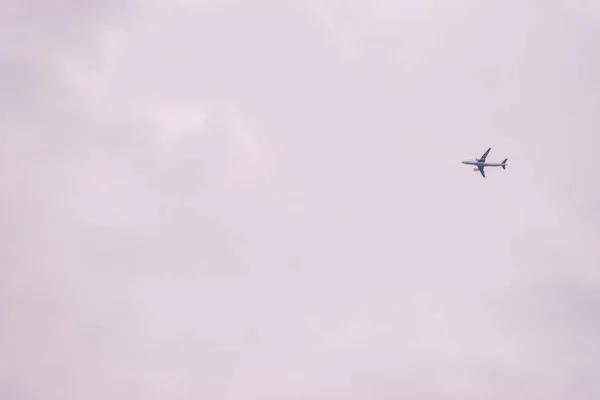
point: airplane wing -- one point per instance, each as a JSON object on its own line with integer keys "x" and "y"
{"x": 481, "y": 170}
{"x": 484, "y": 156}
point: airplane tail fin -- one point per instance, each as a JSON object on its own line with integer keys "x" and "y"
{"x": 504, "y": 163}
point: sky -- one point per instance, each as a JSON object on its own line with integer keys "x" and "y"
{"x": 239, "y": 200}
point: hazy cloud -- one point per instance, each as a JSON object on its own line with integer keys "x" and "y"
{"x": 227, "y": 200}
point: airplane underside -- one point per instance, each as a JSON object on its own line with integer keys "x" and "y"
{"x": 480, "y": 163}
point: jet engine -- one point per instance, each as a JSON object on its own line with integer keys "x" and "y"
{"x": 476, "y": 169}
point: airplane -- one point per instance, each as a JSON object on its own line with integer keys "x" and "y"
{"x": 480, "y": 163}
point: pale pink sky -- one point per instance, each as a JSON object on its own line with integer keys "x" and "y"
{"x": 261, "y": 200}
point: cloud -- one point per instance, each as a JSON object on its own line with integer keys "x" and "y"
{"x": 222, "y": 201}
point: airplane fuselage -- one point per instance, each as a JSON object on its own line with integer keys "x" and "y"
{"x": 482, "y": 164}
